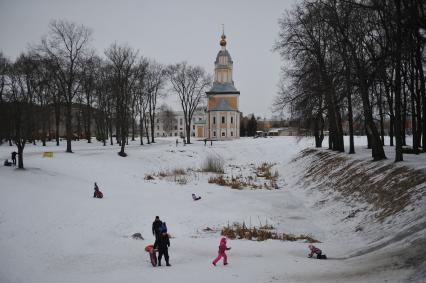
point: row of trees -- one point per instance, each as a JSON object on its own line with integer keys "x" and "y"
{"x": 351, "y": 58}
{"x": 119, "y": 91}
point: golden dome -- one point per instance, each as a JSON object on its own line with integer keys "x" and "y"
{"x": 223, "y": 41}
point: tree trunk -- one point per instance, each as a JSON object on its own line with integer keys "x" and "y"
{"x": 57, "y": 120}
{"x": 133, "y": 128}
{"x": 68, "y": 126}
{"x": 382, "y": 130}
{"x": 404, "y": 116}
{"x": 188, "y": 132}
{"x": 398, "y": 131}
{"x": 146, "y": 129}
{"x": 376, "y": 144}
{"x": 21, "y": 155}
{"x": 350, "y": 118}
{"x": 141, "y": 126}
{"x": 152, "y": 124}
{"x": 422, "y": 93}
{"x": 88, "y": 126}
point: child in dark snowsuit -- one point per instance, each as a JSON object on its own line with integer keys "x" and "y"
{"x": 162, "y": 243}
{"x": 97, "y": 193}
{"x": 221, "y": 253}
{"x": 315, "y": 250}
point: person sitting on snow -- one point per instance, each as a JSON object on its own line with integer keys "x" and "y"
{"x": 315, "y": 250}
{"x": 221, "y": 253}
{"x": 194, "y": 197}
{"x": 7, "y": 163}
{"x": 97, "y": 193}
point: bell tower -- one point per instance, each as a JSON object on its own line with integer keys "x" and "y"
{"x": 223, "y": 117}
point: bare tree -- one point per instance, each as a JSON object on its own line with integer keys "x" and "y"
{"x": 155, "y": 82}
{"x": 21, "y": 99}
{"x": 89, "y": 71}
{"x": 66, "y": 45}
{"x": 123, "y": 61}
{"x": 141, "y": 96}
{"x": 4, "y": 110}
{"x": 189, "y": 84}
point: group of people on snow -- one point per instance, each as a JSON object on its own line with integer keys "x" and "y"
{"x": 162, "y": 239}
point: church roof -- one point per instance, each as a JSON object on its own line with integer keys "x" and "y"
{"x": 223, "y": 53}
{"x": 226, "y": 88}
{"x": 223, "y": 106}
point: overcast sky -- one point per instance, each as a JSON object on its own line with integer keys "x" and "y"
{"x": 168, "y": 31}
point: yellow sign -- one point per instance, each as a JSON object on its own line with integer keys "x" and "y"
{"x": 47, "y": 154}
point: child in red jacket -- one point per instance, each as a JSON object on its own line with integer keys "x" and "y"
{"x": 221, "y": 252}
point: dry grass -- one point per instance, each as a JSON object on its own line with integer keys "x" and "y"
{"x": 177, "y": 175}
{"x": 241, "y": 231}
{"x": 213, "y": 164}
{"x": 240, "y": 182}
{"x": 264, "y": 171}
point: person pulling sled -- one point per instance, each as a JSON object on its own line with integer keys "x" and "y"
{"x": 317, "y": 251}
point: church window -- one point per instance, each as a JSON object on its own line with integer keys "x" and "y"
{"x": 180, "y": 121}
{"x": 232, "y": 134}
{"x": 232, "y": 120}
{"x": 223, "y": 119}
{"x": 214, "y": 133}
{"x": 223, "y": 134}
{"x": 214, "y": 120}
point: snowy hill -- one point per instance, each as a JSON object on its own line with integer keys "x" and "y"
{"x": 52, "y": 230}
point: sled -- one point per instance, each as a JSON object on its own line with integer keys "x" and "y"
{"x": 152, "y": 255}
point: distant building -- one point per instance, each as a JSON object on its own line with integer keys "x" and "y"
{"x": 222, "y": 120}
{"x": 173, "y": 124}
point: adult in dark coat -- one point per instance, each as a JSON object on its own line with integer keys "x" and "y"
{"x": 14, "y": 157}
{"x": 156, "y": 227}
{"x": 163, "y": 243}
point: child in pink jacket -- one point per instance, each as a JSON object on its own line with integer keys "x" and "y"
{"x": 315, "y": 250}
{"x": 221, "y": 252}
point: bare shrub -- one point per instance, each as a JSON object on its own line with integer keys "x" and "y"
{"x": 214, "y": 164}
{"x": 219, "y": 180}
{"x": 240, "y": 231}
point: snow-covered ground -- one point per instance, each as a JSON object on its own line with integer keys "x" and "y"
{"x": 52, "y": 230}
